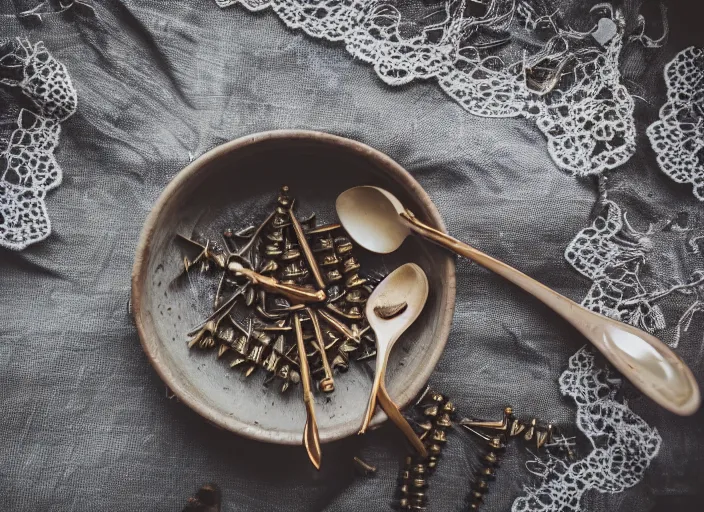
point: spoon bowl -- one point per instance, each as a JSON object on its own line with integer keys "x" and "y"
{"x": 371, "y": 217}
{"x": 407, "y": 284}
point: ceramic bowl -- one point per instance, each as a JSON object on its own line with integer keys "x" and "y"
{"x": 235, "y": 185}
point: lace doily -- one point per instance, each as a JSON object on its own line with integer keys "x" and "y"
{"x": 28, "y": 168}
{"x": 612, "y": 254}
{"x": 590, "y": 126}
{"x": 678, "y": 136}
{"x": 623, "y": 444}
{"x": 587, "y": 119}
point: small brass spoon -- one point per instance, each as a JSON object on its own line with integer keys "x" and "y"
{"x": 378, "y": 221}
{"x": 406, "y": 285}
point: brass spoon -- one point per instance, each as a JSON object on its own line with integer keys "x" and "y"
{"x": 378, "y": 221}
{"x": 311, "y": 439}
{"x": 402, "y": 293}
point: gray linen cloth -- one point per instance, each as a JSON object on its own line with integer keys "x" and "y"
{"x": 85, "y": 423}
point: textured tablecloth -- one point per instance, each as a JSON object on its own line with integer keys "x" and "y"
{"x": 85, "y": 422}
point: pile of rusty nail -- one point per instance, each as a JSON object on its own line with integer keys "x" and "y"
{"x": 497, "y": 434}
{"x": 436, "y": 417}
{"x": 286, "y": 266}
{"x": 433, "y": 416}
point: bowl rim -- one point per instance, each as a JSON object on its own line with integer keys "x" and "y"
{"x": 141, "y": 261}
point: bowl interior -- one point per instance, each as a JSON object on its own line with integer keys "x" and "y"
{"x": 234, "y": 186}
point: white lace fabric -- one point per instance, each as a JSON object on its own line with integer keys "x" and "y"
{"x": 588, "y": 122}
{"x": 612, "y": 254}
{"x": 678, "y": 136}
{"x": 45, "y": 7}
{"x": 28, "y": 167}
{"x": 590, "y": 126}
{"x": 623, "y": 445}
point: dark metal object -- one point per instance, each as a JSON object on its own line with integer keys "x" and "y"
{"x": 254, "y": 348}
{"x": 206, "y": 499}
{"x": 436, "y": 413}
{"x": 298, "y": 230}
{"x": 509, "y": 426}
{"x": 323, "y": 229}
{"x": 293, "y": 292}
{"x": 489, "y": 460}
{"x": 310, "y": 434}
{"x": 496, "y": 434}
{"x": 203, "y": 335}
{"x": 327, "y": 385}
{"x": 363, "y": 467}
{"x": 205, "y": 256}
{"x": 435, "y": 418}
{"x": 500, "y": 425}
{"x": 414, "y": 485}
{"x": 339, "y": 326}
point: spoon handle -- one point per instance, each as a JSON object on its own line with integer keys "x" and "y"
{"x": 642, "y": 358}
{"x": 382, "y": 356}
{"x": 395, "y": 415}
{"x": 390, "y": 408}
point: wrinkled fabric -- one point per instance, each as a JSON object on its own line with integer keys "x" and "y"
{"x": 85, "y": 422}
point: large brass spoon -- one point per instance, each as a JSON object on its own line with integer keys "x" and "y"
{"x": 391, "y": 308}
{"x": 378, "y": 221}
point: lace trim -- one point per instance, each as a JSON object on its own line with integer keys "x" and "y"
{"x": 646, "y": 40}
{"x": 612, "y": 254}
{"x": 678, "y": 136}
{"x": 588, "y": 122}
{"x": 623, "y": 444}
{"x": 28, "y": 168}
